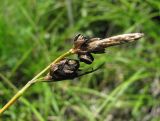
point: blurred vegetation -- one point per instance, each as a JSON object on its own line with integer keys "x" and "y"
{"x": 34, "y": 32}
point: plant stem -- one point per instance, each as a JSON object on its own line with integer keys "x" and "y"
{"x": 34, "y": 80}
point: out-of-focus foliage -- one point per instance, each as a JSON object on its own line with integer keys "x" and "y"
{"x": 34, "y": 32}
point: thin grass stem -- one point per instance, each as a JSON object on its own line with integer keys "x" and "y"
{"x": 34, "y": 80}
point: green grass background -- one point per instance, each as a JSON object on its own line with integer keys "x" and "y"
{"x": 35, "y": 32}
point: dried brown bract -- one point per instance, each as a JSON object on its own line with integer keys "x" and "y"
{"x": 84, "y": 46}
{"x": 65, "y": 69}
{"x": 80, "y": 43}
{"x": 86, "y": 58}
{"x": 98, "y": 45}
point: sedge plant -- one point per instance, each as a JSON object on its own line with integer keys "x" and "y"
{"x": 63, "y": 68}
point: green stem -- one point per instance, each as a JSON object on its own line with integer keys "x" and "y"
{"x": 34, "y": 80}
